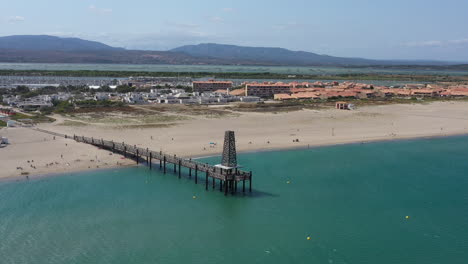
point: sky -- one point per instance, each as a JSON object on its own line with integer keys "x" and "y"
{"x": 375, "y": 29}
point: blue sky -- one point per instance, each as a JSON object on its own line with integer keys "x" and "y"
{"x": 397, "y": 29}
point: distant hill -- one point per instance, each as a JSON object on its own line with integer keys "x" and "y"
{"x": 103, "y": 56}
{"x": 51, "y": 43}
{"x": 267, "y": 55}
{"x": 50, "y": 49}
{"x": 280, "y": 56}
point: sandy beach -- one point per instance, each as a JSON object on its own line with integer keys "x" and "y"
{"x": 32, "y": 153}
{"x": 194, "y": 137}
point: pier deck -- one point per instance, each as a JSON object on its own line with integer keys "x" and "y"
{"x": 228, "y": 178}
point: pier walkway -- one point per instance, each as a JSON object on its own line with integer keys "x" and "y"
{"x": 228, "y": 178}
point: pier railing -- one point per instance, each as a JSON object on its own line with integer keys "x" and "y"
{"x": 227, "y": 177}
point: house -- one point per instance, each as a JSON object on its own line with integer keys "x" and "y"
{"x": 282, "y": 97}
{"x": 238, "y": 92}
{"x": 425, "y": 92}
{"x": 133, "y": 98}
{"x": 101, "y": 96}
{"x": 210, "y": 85}
{"x": 344, "y": 106}
{"x": 267, "y": 89}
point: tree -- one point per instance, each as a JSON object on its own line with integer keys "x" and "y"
{"x": 124, "y": 89}
{"x": 22, "y": 89}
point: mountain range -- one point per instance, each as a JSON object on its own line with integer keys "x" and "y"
{"x": 51, "y": 49}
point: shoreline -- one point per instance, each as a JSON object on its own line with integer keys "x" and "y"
{"x": 59, "y": 174}
{"x": 324, "y": 145}
{"x": 36, "y": 153}
{"x": 33, "y": 177}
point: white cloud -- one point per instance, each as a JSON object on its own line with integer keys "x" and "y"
{"x": 99, "y": 10}
{"x": 182, "y": 25}
{"x": 458, "y": 41}
{"x": 436, "y": 43}
{"x": 287, "y": 26}
{"x": 15, "y": 19}
{"x": 216, "y": 19}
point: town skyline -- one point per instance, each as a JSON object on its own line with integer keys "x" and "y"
{"x": 392, "y": 31}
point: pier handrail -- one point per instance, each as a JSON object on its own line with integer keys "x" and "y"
{"x": 228, "y": 177}
{"x": 173, "y": 159}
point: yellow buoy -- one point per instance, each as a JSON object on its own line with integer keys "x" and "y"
{"x": 407, "y": 217}
{"x": 288, "y": 182}
{"x": 194, "y": 197}
{"x": 308, "y": 238}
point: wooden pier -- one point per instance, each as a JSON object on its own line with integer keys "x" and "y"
{"x": 228, "y": 178}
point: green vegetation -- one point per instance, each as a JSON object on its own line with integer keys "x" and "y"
{"x": 3, "y": 123}
{"x": 101, "y": 103}
{"x": 239, "y": 75}
{"x": 72, "y": 123}
{"x": 35, "y": 118}
{"x": 68, "y": 107}
{"x": 61, "y": 107}
{"x": 124, "y": 89}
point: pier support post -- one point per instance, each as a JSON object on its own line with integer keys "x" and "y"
{"x": 160, "y": 164}
{"x": 180, "y": 164}
{"x": 250, "y": 182}
{"x": 214, "y": 182}
{"x": 125, "y": 151}
{"x": 206, "y": 181}
{"x": 220, "y": 185}
{"x": 164, "y": 164}
{"x": 137, "y": 158}
{"x": 225, "y": 187}
{"x": 175, "y": 170}
{"x": 147, "y": 156}
{"x": 243, "y": 186}
{"x": 235, "y": 186}
{"x": 190, "y": 171}
{"x": 151, "y": 160}
{"x": 196, "y": 174}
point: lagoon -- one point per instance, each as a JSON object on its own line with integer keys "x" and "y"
{"x": 351, "y": 200}
{"x": 221, "y": 68}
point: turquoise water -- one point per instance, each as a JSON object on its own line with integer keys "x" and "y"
{"x": 351, "y": 200}
{"x": 219, "y": 68}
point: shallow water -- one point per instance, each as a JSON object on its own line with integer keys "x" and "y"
{"x": 220, "y": 68}
{"x": 351, "y": 200}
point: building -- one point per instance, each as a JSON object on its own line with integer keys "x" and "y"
{"x": 344, "y": 106}
{"x": 267, "y": 89}
{"x": 211, "y": 85}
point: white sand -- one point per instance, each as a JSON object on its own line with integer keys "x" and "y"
{"x": 192, "y": 137}
{"x": 46, "y": 155}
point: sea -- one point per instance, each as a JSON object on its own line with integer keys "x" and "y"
{"x": 389, "y": 202}
{"x": 223, "y": 68}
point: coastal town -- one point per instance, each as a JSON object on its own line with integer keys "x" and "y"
{"x": 206, "y": 132}
{"x": 174, "y": 91}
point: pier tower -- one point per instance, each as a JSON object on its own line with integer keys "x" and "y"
{"x": 229, "y": 159}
